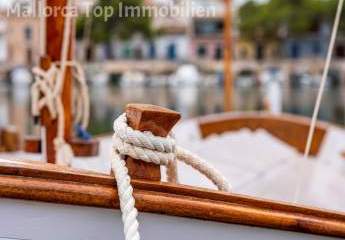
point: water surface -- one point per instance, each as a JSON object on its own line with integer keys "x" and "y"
{"x": 108, "y": 101}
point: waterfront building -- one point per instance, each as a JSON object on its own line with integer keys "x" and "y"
{"x": 312, "y": 45}
{"x": 19, "y": 39}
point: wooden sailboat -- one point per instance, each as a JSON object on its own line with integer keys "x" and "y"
{"x": 167, "y": 210}
{"x": 46, "y": 201}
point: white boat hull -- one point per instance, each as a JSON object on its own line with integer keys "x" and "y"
{"x": 41, "y": 221}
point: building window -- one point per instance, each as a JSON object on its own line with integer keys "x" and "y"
{"x": 295, "y": 50}
{"x": 29, "y": 57}
{"x": 126, "y": 53}
{"x": 172, "y": 52}
{"x": 259, "y": 52}
{"x": 202, "y": 51}
{"x": 243, "y": 53}
{"x": 28, "y": 33}
{"x": 340, "y": 51}
{"x": 219, "y": 53}
{"x": 138, "y": 53}
{"x": 152, "y": 51}
{"x": 208, "y": 27}
{"x": 316, "y": 48}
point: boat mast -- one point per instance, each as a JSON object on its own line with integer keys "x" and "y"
{"x": 54, "y": 38}
{"x": 228, "y": 77}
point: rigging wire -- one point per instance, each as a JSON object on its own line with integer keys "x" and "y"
{"x": 319, "y": 97}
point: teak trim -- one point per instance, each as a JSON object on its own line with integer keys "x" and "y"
{"x": 48, "y": 183}
{"x": 157, "y": 120}
{"x": 290, "y": 129}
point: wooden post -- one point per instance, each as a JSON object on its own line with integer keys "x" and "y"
{"x": 151, "y": 118}
{"x": 228, "y": 75}
{"x": 54, "y": 37}
{"x": 49, "y": 124}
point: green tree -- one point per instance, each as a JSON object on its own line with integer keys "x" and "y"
{"x": 277, "y": 19}
{"x": 117, "y": 25}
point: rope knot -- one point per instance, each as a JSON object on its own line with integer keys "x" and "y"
{"x": 46, "y": 92}
{"x": 153, "y": 149}
{"x": 142, "y": 145}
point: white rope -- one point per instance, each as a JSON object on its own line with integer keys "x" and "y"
{"x": 127, "y": 201}
{"x": 320, "y": 94}
{"x": 45, "y": 80}
{"x": 203, "y": 167}
{"x": 44, "y": 95}
{"x": 82, "y": 98}
{"x": 64, "y": 49}
{"x": 153, "y": 149}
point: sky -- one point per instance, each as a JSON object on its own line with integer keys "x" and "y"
{"x": 4, "y": 2}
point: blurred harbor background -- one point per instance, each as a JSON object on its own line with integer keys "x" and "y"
{"x": 278, "y": 48}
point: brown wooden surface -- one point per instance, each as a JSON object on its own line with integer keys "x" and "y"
{"x": 51, "y": 183}
{"x": 32, "y": 144}
{"x": 54, "y": 36}
{"x": 291, "y": 129}
{"x": 83, "y": 148}
{"x": 48, "y": 123}
{"x": 80, "y": 148}
{"x": 9, "y": 139}
{"x": 151, "y": 118}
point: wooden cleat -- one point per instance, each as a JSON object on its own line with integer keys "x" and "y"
{"x": 157, "y": 120}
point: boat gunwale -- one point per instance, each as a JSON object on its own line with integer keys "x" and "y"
{"x": 276, "y": 124}
{"x": 51, "y": 183}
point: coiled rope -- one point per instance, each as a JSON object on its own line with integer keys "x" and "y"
{"x": 47, "y": 89}
{"x": 153, "y": 149}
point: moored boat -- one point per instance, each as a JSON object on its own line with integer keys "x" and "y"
{"x": 43, "y": 200}
{"x": 165, "y": 206}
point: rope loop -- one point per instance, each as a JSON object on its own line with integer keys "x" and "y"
{"x": 45, "y": 92}
{"x": 142, "y": 139}
{"x": 152, "y": 149}
{"x": 47, "y": 89}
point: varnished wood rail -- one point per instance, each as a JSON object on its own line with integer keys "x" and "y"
{"x": 290, "y": 129}
{"x": 50, "y": 183}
